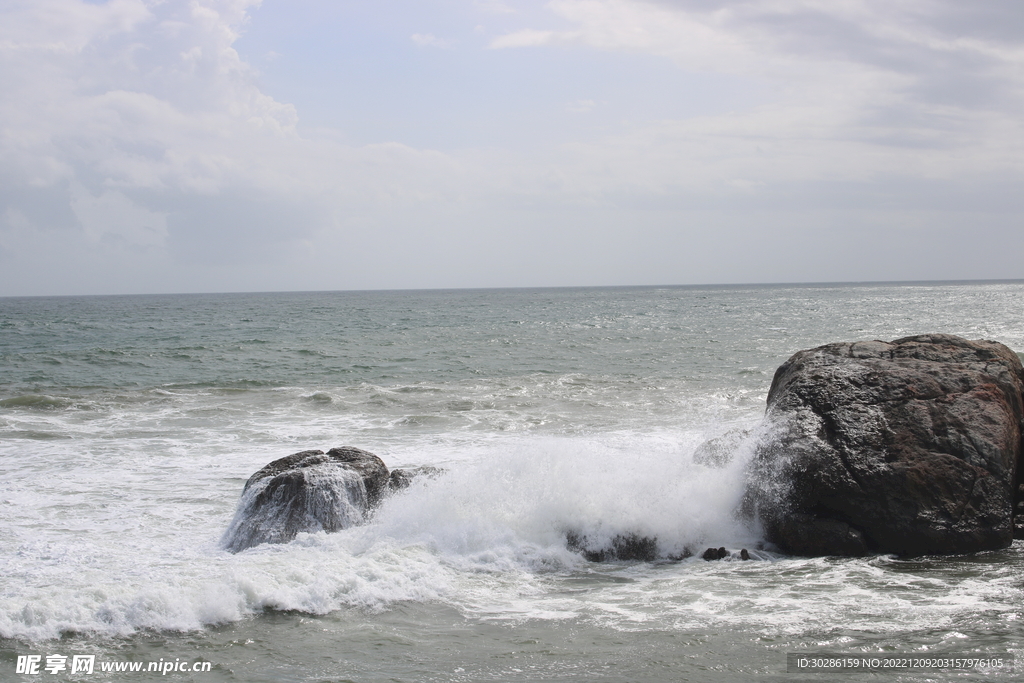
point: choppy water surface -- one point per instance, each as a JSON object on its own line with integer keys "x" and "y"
{"x": 128, "y": 426}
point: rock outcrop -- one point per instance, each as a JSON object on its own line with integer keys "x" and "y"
{"x": 307, "y": 492}
{"x": 910, "y": 447}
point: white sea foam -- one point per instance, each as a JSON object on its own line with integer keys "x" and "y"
{"x": 113, "y": 499}
{"x": 140, "y": 552}
{"x": 486, "y": 537}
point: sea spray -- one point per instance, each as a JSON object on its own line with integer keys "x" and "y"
{"x": 531, "y": 493}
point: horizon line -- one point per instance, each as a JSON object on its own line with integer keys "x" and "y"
{"x": 723, "y": 285}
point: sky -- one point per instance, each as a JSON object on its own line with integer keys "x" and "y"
{"x": 152, "y": 146}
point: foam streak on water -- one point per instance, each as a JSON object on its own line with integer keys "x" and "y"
{"x": 129, "y": 425}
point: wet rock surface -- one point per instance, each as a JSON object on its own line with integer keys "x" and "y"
{"x": 402, "y": 478}
{"x": 308, "y": 491}
{"x": 909, "y": 447}
{"x": 639, "y": 548}
{"x": 621, "y": 547}
{"x": 715, "y": 554}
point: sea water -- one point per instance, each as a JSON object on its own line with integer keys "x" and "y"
{"x": 129, "y": 425}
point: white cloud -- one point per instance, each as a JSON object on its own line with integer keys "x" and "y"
{"x": 867, "y": 79}
{"x": 135, "y": 98}
{"x": 133, "y": 132}
{"x": 530, "y": 38}
{"x": 58, "y": 26}
{"x": 111, "y": 215}
{"x": 694, "y": 42}
{"x": 430, "y": 40}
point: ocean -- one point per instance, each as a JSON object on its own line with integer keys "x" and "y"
{"x": 129, "y": 425}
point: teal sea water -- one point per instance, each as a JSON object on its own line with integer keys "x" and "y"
{"x": 128, "y": 426}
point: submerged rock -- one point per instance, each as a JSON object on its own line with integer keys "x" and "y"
{"x": 909, "y": 447}
{"x": 715, "y": 554}
{"x": 309, "y": 491}
{"x": 720, "y": 451}
{"x": 402, "y": 478}
{"x": 629, "y": 547}
{"x": 637, "y": 548}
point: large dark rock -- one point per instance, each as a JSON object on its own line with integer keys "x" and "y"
{"x": 909, "y": 447}
{"x": 307, "y": 492}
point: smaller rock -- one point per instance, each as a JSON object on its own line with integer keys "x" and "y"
{"x": 715, "y": 554}
{"x": 402, "y": 478}
{"x": 307, "y": 492}
{"x": 623, "y": 547}
{"x": 399, "y": 479}
{"x": 744, "y": 555}
{"x": 720, "y": 451}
